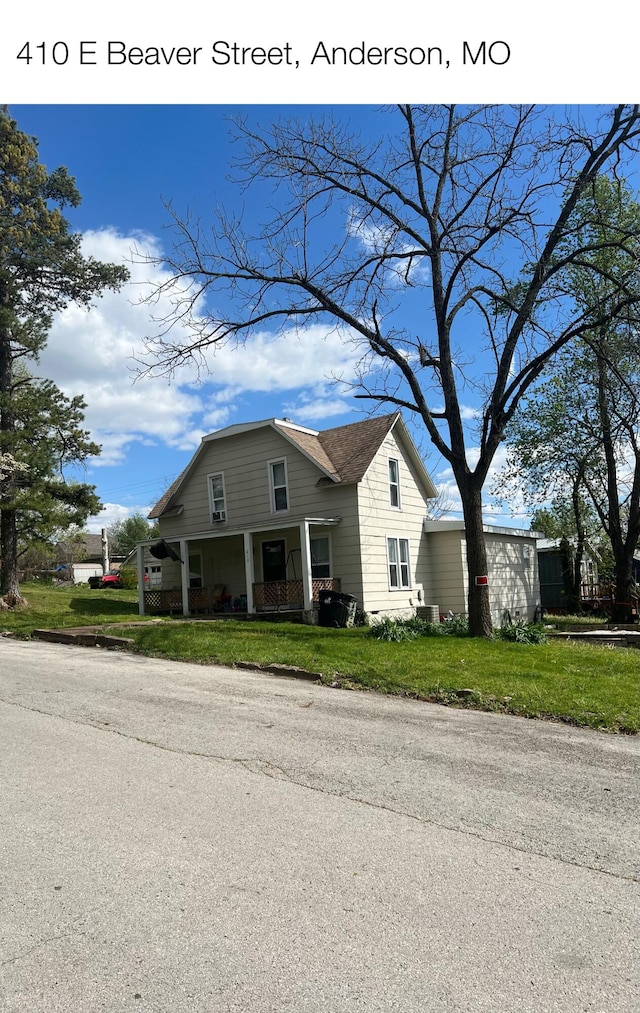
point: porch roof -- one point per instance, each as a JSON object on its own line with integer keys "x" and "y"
{"x": 276, "y": 525}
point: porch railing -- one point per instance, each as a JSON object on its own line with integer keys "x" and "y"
{"x": 162, "y": 600}
{"x": 276, "y": 594}
{"x": 267, "y": 596}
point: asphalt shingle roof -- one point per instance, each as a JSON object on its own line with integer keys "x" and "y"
{"x": 344, "y": 453}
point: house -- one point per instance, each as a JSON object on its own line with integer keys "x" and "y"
{"x": 269, "y": 515}
{"x": 512, "y": 569}
{"x": 82, "y": 556}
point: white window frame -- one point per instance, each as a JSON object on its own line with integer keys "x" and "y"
{"x": 398, "y": 569}
{"x": 394, "y": 485}
{"x": 317, "y": 538}
{"x": 273, "y": 487}
{"x": 212, "y": 502}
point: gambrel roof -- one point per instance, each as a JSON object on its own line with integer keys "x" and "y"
{"x": 342, "y": 454}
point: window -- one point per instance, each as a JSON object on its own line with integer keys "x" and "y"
{"x": 394, "y": 483}
{"x": 195, "y": 569}
{"x": 217, "y": 498}
{"x": 398, "y": 560}
{"x": 278, "y": 484}
{"x": 320, "y": 558}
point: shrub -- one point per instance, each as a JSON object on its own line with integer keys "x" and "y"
{"x": 519, "y": 631}
{"x": 396, "y": 630}
{"x": 128, "y": 577}
{"x": 392, "y": 630}
{"x": 456, "y": 626}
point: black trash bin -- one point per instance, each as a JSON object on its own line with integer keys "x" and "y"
{"x": 336, "y": 609}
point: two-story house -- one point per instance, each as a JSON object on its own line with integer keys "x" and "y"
{"x": 269, "y": 514}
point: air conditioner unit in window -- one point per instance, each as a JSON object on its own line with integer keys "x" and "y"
{"x": 219, "y": 515}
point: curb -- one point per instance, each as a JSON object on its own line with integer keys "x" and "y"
{"x": 81, "y": 638}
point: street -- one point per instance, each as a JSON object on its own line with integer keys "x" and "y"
{"x": 189, "y": 838}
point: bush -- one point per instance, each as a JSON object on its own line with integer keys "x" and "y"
{"x": 456, "y": 626}
{"x": 393, "y": 630}
{"x": 520, "y": 631}
{"x": 128, "y": 577}
{"x": 396, "y": 630}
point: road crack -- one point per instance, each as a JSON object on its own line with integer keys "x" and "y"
{"x": 266, "y": 768}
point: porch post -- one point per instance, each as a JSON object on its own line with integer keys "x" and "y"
{"x": 305, "y": 554}
{"x": 140, "y": 566}
{"x": 249, "y": 571}
{"x": 184, "y": 556}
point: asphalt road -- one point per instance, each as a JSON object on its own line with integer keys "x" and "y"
{"x": 187, "y": 839}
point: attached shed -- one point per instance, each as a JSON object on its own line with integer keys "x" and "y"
{"x": 512, "y": 567}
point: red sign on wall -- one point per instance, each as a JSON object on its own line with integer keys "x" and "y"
{"x": 482, "y": 581}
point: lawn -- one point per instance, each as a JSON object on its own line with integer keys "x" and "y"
{"x": 575, "y": 683}
{"x": 69, "y": 605}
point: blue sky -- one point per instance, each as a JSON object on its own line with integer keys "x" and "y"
{"x": 128, "y": 161}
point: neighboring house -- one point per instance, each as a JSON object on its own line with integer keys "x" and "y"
{"x": 269, "y": 515}
{"x": 555, "y": 568}
{"x": 512, "y": 570}
{"x": 82, "y": 556}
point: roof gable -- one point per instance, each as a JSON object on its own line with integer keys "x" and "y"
{"x": 344, "y": 454}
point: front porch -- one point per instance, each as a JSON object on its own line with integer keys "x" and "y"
{"x": 249, "y": 572}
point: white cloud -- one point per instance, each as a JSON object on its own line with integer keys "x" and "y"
{"x": 93, "y": 353}
{"x": 112, "y": 512}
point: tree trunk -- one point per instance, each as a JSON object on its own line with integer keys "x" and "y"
{"x": 480, "y": 624}
{"x": 9, "y": 585}
{"x": 568, "y": 562}
{"x": 624, "y": 586}
{"x": 581, "y": 541}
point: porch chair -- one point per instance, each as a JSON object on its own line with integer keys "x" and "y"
{"x": 217, "y": 597}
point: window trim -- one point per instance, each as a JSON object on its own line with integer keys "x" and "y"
{"x": 210, "y": 477}
{"x": 398, "y": 563}
{"x": 317, "y": 538}
{"x": 273, "y": 487}
{"x": 394, "y": 485}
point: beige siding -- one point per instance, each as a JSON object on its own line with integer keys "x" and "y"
{"x": 447, "y": 556}
{"x": 242, "y": 459}
{"x": 379, "y": 521}
{"x": 513, "y": 578}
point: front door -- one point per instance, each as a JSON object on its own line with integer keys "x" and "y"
{"x": 274, "y": 560}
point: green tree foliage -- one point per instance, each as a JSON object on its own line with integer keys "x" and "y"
{"x": 125, "y": 534}
{"x": 451, "y": 226}
{"x": 45, "y": 441}
{"x": 576, "y": 438}
{"x": 42, "y": 270}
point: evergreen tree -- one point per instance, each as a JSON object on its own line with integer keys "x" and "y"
{"x": 42, "y": 270}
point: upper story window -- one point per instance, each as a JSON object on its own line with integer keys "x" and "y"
{"x": 394, "y": 482}
{"x": 217, "y": 500}
{"x": 278, "y": 485}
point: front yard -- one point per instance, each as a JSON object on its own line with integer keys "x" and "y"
{"x": 580, "y": 684}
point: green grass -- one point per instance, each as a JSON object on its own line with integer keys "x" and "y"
{"x": 575, "y": 683}
{"x": 582, "y": 684}
{"x": 66, "y": 605}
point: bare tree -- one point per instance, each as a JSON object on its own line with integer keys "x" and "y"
{"x": 439, "y": 248}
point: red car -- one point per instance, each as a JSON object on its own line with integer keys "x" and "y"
{"x": 110, "y": 579}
